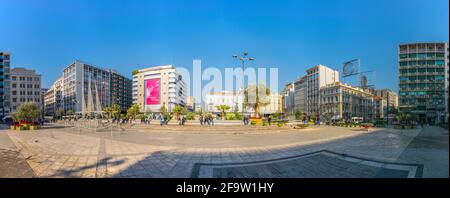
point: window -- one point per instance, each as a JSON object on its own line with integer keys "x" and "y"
{"x": 431, "y": 55}
{"x": 412, "y": 70}
{"x": 13, "y": 78}
{"x": 431, "y": 70}
{"x": 422, "y": 70}
{"x": 14, "y": 85}
{"x": 403, "y": 78}
{"x": 404, "y": 63}
{"x": 413, "y": 55}
{"x": 421, "y": 55}
{"x": 410, "y": 63}
{"x": 440, "y": 62}
{"x": 440, "y": 55}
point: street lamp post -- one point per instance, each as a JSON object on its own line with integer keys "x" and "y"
{"x": 243, "y": 58}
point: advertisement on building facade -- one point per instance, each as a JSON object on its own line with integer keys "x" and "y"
{"x": 152, "y": 95}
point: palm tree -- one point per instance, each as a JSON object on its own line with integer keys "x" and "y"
{"x": 256, "y": 96}
{"x": 222, "y": 109}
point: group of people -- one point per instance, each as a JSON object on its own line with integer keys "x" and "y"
{"x": 163, "y": 119}
{"x": 206, "y": 120}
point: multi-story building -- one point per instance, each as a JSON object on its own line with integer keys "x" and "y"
{"x": 232, "y": 99}
{"x": 344, "y": 102}
{"x": 158, "y": 86}
{"x": 300, "y": 94}
{"x": 380, "y": 107}
{"x": 318, "y": 77}
{"x": 43, "y": 91}
{"x": 121, "y": 91}
{"x": 86, "y": 88}
{"x": 423, "y": 80}
{"x": 288, "y": 99}
{"x": 25, "y": 87}
{"x": 385, "y": 100}
{"x": 5, "y": 106}
{"x": 53, "y": 98}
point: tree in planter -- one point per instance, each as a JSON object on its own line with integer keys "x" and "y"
{"x": 28, "y": 112}
{"x": 222, "y": 109}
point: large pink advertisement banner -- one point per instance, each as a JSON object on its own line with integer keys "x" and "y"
{"x": 152, "y": 91}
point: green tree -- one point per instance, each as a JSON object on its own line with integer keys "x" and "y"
{"x": 178, "y": 110}
{"x": 163, "y": 109}
{"x": 299, "y": 115}
{"x": 133, "y": 111}
{"x": 115, "y": 111}
{"x": 256, "y": 96}
{"x": 222, "y": 109}
{"x": 134, "y": 72}
{"x": 69, "y": 112}
{"x": 28, "y": 112}
{"x": 59, "y": 112}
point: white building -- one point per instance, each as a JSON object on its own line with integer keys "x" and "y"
{"x": 274, "y": 106}
{"x": 318, "y": 77}
{"x": 288, "y": 99}
{"x": 53, "y": 98}
{"x": 232, "y": 99}
{"x": 159, "y": 86}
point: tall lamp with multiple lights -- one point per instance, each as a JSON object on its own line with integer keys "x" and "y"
{"x": 243, "y": 59}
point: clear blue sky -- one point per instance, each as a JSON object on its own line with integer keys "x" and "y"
{"x": 47, "y": 35}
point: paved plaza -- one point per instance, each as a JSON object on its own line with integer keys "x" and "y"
{"x": 152, "y": 151}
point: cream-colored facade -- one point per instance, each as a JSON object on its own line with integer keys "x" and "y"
{"x": 25, "y": 87}
{"x": 52, "y": 97}
{"x": 172, "y": 88}
{"x": 275, "y": 104}
{"x": 341, "y": 101}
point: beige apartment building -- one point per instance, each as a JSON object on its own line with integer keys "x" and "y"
{"x": 53, "y": 98}
{"x": 343, "y": 102}
{"x": 25, "y": 87}
{"x": 158, "y": 86}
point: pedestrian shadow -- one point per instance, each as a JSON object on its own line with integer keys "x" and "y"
{"x": 75, "y": 172}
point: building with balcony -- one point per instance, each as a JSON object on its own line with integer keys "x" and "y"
{"x": 343, "y": 102}
{"x": 316, "y": 78}
{"x": 423, "y": 80}
{"x": 121, "y": 90}
{"x": 53, "y": 98}
{"x": 159, "y": 86}
{"x": 288, "y": 99}
{"x": 300, "y": 94}
{"x": 5, "y": 86}
{"x": 25, "y": 87}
